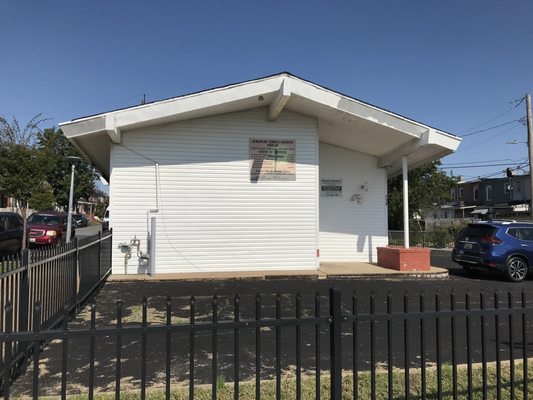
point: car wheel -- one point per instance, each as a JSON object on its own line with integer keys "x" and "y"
{"x": 516, "y": 269}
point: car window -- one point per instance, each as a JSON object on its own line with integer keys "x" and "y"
{"x": 13, "y": 222}
{"x": 44, "y": 219}
{"x": 527, "y": 233}
{"x": 477, "y": 232}
{"x": 521, "y": 233}
{"x": 515, "y": 232}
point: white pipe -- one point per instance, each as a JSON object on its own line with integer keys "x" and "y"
{"x": 405, "y": 203}
{"x": 153, "y": 210}
{"x": 157, "y": 185}
{"x": 152, "y": 246}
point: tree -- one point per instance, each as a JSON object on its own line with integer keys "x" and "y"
{"x": 43, "y": 198}
{"x": 55, "y": 148}
{"x": 20, "y": 161}
{"x": 429, "y": 188}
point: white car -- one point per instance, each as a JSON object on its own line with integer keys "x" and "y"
{"x": 105, "y": 221}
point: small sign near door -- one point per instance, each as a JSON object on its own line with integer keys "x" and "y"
{"x": 330, "y": 187}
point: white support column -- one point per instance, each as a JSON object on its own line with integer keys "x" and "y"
{"x": 405, "y": 203}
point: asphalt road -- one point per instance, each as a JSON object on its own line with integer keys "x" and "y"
{"x": 88, "y": 231}
{"x": 131, "y": 294}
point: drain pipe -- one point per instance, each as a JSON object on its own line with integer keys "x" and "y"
{"x": 151, "y": 223}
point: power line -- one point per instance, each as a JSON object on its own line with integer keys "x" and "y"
{"x": 488, "y": 161}
{"x": 519, "y": 101}
{"x": 475, "y": 166}
{"x": 492, "y": 127}
{"x": 489, "y": 138}
{"x": 499, "y": 172}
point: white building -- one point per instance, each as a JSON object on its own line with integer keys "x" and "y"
{"x": 275, "y": 173}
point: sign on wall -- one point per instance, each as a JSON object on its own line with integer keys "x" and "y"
{"x": 272, "y": 160}
{"x": 330, "y": 187}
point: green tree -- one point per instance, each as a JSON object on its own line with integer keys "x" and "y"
{"x": 55, "y": 148}
{"x": 42, "y": 198}
{"x": 429, "y": 188}
{"x": 21, "y": 167}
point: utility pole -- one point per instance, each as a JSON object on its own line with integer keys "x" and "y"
{"x": 530, "y": 151}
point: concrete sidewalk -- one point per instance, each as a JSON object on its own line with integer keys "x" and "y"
{"x": 327, "y": 270}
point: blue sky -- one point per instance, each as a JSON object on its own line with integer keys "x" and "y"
{"x": 455, "y": 65}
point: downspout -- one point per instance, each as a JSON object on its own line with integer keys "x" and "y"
{"x": 149, "y": 224}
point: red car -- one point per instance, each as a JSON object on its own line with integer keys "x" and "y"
{"x": 47, "y": 228}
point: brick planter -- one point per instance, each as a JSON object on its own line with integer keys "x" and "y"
{"x": 402, "y": 259}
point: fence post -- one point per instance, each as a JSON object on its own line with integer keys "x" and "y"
{"x": 99, "y": 255}
{"x": 335, "y": 343}
{"x": 110, "y": 244}
{"x": 75, "y": 275}
{"x": 24, "y": 294}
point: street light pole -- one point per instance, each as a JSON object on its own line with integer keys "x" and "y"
{"x": 70, "y": 198}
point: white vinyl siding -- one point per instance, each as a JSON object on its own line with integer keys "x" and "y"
{"x": 351, "y": 230}
{"x": 212, "y": 217}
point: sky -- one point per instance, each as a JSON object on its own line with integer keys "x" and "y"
{"x": 460, "y": 66}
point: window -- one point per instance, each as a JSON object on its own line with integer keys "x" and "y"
{"x": 521, "y": 233}
{"x": 508, "y": 187}
{"x": 488, "y": 193}
{"x": 453, "y": 194}
{"x": 476, "y": 193}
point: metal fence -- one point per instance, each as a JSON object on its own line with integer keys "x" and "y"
{"x": 441, "y": 346}
{"x": 50, "y": 277}
{"x": 435, "y": 239}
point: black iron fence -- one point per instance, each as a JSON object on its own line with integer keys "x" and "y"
{"x": 50, "y": 277}
{"x": 274, "y": 346}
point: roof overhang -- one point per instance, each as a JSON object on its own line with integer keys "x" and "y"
{"x": 343, "y": 121}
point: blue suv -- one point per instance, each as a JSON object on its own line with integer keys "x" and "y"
{"x": 500, "y": 245}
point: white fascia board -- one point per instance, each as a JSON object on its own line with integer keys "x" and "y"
{"x": 111, "y": 128}
{"x": 101, "y": 123}
{"x": 356, "y": 108}
{"x": 86, "y": 126}
{"x": 280, "y": 99}
{"x": 444, "y": 142}
{"x": 151, "y": 114}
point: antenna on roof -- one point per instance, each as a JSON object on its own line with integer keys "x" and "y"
{"x": 143, "y": 101}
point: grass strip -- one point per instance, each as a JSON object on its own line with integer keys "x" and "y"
{"x": 288, "y": 387}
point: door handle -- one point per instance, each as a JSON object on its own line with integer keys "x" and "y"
{"x": 523, "y": 245}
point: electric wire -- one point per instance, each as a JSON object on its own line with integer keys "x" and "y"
{"x": 492, "y": 127}
{"x": 518, "y": 101}
{"x": 488, "y": 138}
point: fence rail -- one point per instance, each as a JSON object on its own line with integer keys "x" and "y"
{"x": 50, "y": 277}
{"x": 438, "y": 346}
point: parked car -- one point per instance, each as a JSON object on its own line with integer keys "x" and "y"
{"x": 47, "y": 228}
{"x": 11, "y": 233}
{"x": 105, "y": 222}
{"x": 498, "y": 245}
{"x": 80, "y": 220}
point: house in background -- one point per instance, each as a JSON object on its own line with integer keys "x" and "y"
{"x": 275, "y": 173}
{"x": 495, "y": 198}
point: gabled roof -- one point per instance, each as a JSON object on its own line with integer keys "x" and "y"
{"x": 343, "y": 121}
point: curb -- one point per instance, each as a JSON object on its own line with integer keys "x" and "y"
{"x": 412, "y": 275}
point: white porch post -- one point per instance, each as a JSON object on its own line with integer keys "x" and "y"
{"x": 405, "y": 203}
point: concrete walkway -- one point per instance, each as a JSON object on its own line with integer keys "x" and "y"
{"x": 327, "y": 270}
